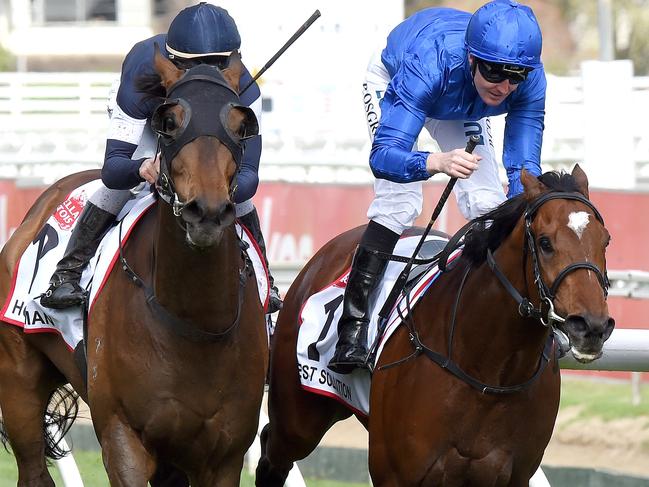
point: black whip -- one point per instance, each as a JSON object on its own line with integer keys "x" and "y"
{"x": 293, "y": 38}
{"x": 401, "y": 280}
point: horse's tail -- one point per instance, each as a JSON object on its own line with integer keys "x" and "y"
{"x": 62, "y": 409}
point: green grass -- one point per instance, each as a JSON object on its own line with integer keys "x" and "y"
{"x": 607, "y": 401}
{"x": 94, "y": 475}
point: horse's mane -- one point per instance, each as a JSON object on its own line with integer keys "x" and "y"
{"x": 150, "y": 85}
{"x": 490, "y": 229}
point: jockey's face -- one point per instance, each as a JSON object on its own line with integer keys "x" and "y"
{"x": 493, "y": 94}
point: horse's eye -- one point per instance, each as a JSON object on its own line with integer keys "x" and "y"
{"x": 169, "y": 124}
{"x": 545, "y": 245}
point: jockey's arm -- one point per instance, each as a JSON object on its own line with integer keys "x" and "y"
{"x": 403, "y": 114}
{"x": 524, "y": 131}
{"x": 124, "y": 134}
{"x": 248, "y": 175}
{"x": 402, "y": 118}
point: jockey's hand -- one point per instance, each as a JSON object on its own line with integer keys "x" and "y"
{"x": 456, "y": 164}
{"x": 150, "y": 168}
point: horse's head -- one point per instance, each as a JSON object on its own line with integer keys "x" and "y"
{"x": 567, "y": 240}
{"x": 202, "y": 127}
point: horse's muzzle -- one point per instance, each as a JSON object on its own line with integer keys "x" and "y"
{"x": 205, "y": 225}
{"x": 587, "y": 335}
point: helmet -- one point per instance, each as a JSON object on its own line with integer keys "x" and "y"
{"x": 505, "y": 32}
{"x": 202, "y": 30}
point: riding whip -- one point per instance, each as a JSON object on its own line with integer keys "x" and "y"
{"x": 401, "y": 280}
{"x": 293, "y": 38}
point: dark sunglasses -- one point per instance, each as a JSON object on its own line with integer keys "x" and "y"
{"x": 497, "y": 73}
{"x": 220, "y": 62}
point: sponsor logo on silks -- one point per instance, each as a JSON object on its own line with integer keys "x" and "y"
{"x": 371, "y": 114}
{"x": 68, "y": 211}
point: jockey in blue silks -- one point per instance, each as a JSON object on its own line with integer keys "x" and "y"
{"x": 201, "y": 33}
{"x": 447, "y": 71}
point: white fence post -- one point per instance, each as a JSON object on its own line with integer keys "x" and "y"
{"x": 294, "y": 479}
{"x": 66, "y": 466}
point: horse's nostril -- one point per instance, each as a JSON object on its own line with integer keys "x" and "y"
{"x": 193, "y": 212}
{"x": 577, "y": 324}
{"x": 610, "y": 325}
{"x": 228, "y": 213}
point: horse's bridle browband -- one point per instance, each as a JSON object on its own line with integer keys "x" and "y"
{"x": 525, "y": 307}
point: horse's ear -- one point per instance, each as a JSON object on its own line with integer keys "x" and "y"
{"x": 533, "y": 187}
{"x": 581, "y": 179}
{"x": 167, "y": 70}
{"x": 232, "y": 73}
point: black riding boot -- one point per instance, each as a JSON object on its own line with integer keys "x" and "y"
{"x": 251, "y": 221}
{"x": 351, "y": 349}
{"x": 64, "y": 290}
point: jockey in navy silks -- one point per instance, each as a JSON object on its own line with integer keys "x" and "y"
{"x": 447, "y": 71}
{"x": 201, "y": 33}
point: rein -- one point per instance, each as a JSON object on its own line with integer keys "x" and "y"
{"x": 525, "y": 307}
{"x": 177, "y": 325}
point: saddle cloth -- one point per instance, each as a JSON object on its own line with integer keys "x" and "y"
{"x": 318, "y": 331}
{"x": 38, "y": 262}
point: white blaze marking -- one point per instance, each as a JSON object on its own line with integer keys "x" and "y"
{"x": 577, "y": 222}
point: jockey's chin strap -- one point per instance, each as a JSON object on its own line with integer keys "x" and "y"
{"x": 181, "y": 327}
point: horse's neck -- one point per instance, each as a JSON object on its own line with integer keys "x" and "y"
{"x": 501, "y": 343}
{"x": 196, "y": 283}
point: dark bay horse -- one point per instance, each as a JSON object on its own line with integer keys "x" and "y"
{"x": 486, "y": 418}
{"x": 176, "y": 365}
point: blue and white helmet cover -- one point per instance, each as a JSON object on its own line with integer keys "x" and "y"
{"x": 506, "y": 32}
{"x": 203, "y": 30}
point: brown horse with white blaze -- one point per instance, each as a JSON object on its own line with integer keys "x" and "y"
{"x": 475, "y": 400}
{"x": 177, "y": 345}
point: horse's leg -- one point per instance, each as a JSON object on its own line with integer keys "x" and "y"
{"x": 224, "y": 472}
{"x": 167, "y": 475}
{"x": 127, "y": 461}
{"x": 27, "y": 379}
{"x": 293, "y": 434}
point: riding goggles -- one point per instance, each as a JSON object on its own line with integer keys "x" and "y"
{"x": 497, "y": 73}
{"x": 220, "y": 62}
